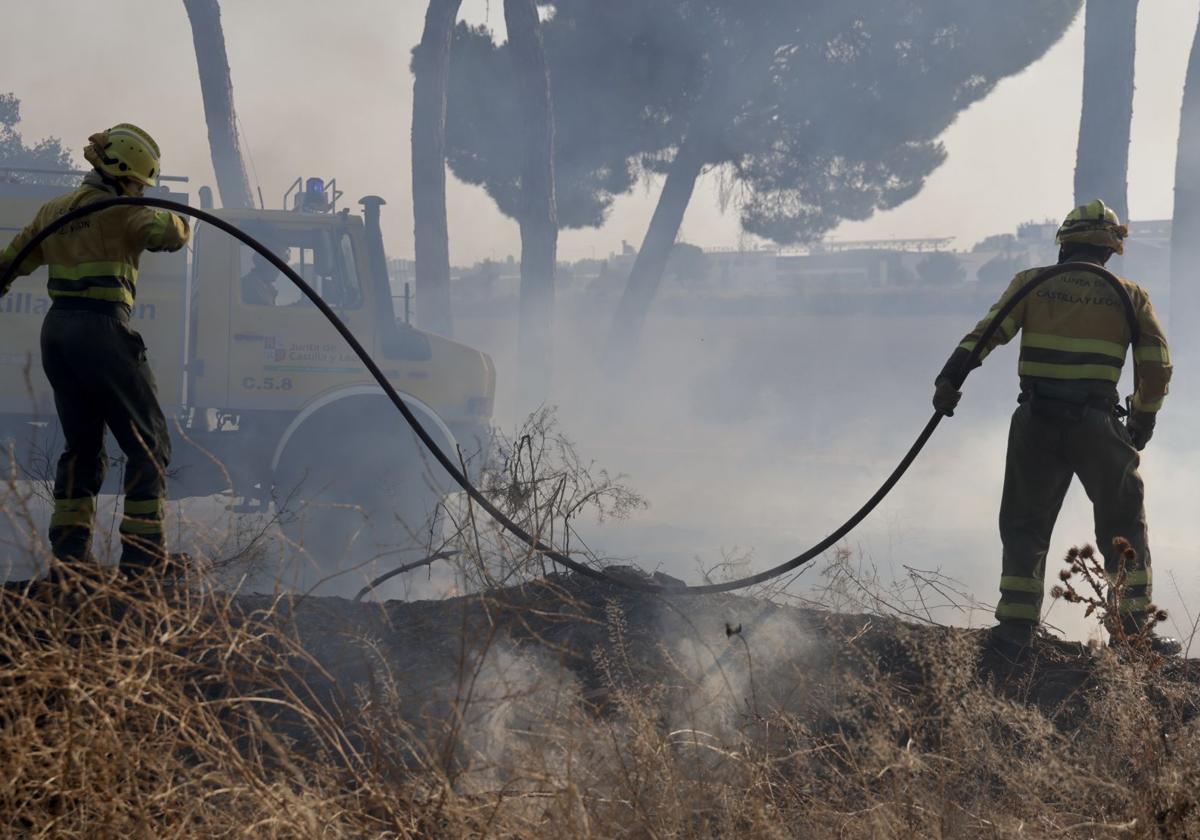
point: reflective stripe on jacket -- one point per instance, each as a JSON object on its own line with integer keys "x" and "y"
{"x": 96, "y": 256}
{"x": 1074, "y": 327}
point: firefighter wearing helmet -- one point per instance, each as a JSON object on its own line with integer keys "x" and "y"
{"x": 95, "y": 361}
{"x": 1074, "y": 337}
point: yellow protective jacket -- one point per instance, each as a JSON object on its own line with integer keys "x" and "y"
{"x": 96, "y": 257}
{"x": 1074, "y": 329}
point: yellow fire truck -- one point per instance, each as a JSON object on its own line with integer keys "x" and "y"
{"x": 269, "y": 404}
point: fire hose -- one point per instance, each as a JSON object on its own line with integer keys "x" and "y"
{"x": 448, "y": 464}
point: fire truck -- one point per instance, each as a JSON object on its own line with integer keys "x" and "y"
{"x": 267, "y": 404}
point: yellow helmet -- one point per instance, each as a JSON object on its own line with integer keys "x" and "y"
{"x": 1093, "y": 223}
{"x": 124, "y": 151}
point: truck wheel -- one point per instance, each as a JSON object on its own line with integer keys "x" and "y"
{"x": 358, "y": 496}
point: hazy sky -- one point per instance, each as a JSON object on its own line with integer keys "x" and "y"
{"x": 323, "y": 88}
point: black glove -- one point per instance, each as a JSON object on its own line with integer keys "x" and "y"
{"x": 1140, "y": 425}
{"x": 945, "y": 396}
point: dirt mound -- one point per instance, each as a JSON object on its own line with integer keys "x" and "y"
{"x": 757, "y": 653}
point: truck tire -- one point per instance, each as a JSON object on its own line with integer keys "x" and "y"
{"x": 357, "y": 496}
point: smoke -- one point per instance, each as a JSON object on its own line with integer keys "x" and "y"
{"x": 752, "y": 434}
{"x": 737, "y": 665}
{"x": 757, "y": 434}
{"x": 503, "y": 711}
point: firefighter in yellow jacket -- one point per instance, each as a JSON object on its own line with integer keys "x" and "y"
{"x": 95, "y": 362}
{"x": 1074, "y": 336}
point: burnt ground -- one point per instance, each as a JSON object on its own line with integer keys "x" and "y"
{"x": 516, "y": 656}
{"x": 750, "y": 655}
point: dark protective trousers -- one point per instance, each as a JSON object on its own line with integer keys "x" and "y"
{"x": 1044, "y": 452}
{"x": 98, "y": 369}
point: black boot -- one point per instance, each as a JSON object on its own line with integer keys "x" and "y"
{"x": 1150, "y": 643}
{"x": 1012, "y": 639}
{"x": 1136, "y": 637}
{"x": 148, "y": 556}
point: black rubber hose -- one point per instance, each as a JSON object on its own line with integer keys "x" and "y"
{"x": 449, "y": 465}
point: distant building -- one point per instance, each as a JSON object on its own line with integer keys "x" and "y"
{"x": 856, "y": 270}
{"x": 400, "y": 272}
{"x": 732, "y": 271}
{"x": 401, "y": 281}
{"x": 892, "y": 276}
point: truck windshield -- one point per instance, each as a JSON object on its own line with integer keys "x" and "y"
{"x": 323, "y": 256}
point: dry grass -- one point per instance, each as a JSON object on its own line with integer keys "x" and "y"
{"x": 131, "y": 709}
{"x": 137, "y": 710}
{"x": 553, "y": 709}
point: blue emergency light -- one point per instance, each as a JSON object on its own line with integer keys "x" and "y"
{"x": 312, "y": 195}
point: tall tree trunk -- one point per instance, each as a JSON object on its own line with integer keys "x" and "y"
{"x": 216, "y": 89}
{"x": 1185, "y": 226}
{"x": 538, "y": 217}
{"x": 431, "y": 68}
{"x": 1102, "y": 158}
{"x": 651, "y": 260}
